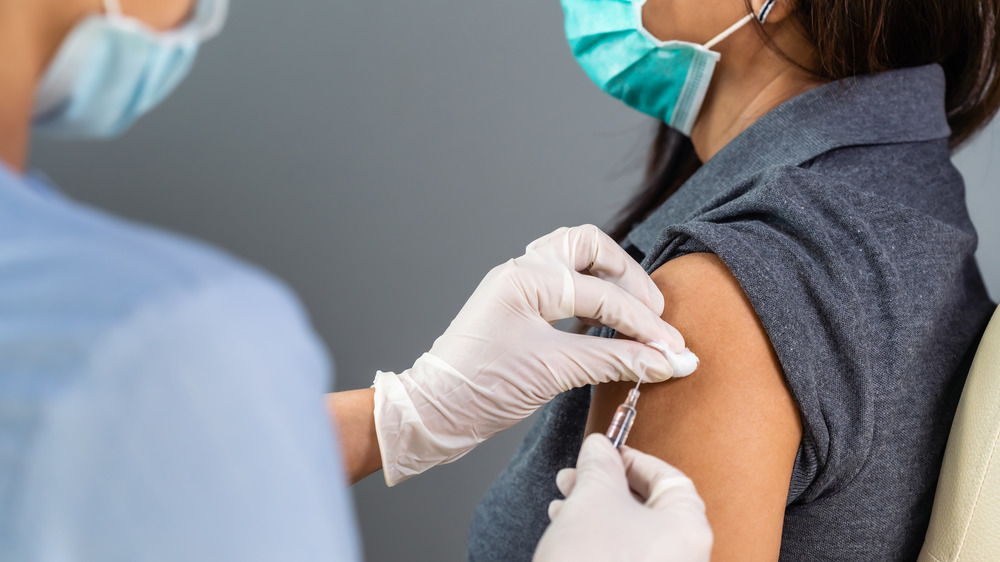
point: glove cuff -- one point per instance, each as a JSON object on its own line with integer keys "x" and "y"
{"x": 407, "y": 446}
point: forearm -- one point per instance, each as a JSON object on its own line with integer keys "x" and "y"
{"x": 353, "y": 414}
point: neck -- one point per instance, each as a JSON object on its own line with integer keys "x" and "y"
{"x": 746, "y": 86}
{"x": 18, "y": 76}
{"x": 31, "y": 35}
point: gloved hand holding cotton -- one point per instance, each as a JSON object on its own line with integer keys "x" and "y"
{"x": 501, "y": 358}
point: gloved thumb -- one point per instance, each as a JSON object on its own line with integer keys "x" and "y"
{"x": 599, "y": 468}
{"x": 604, "y": 470}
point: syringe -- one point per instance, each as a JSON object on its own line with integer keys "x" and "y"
{"x": 621, "y": 424}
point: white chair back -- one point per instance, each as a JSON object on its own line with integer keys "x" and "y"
{"x": 965, "y": 523}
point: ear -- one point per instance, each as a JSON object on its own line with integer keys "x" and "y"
{"x": 773, "y": 11}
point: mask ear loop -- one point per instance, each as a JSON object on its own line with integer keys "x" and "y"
{"x": 762, "y": 18}
{"x": 765, "y": 11}
{"x": 211, "y": 15}
{"x": 208, "y": 18}
{"x": 113, "y": 8}
{"x": 206, "y": 21}
{"x": 732, "y": 29}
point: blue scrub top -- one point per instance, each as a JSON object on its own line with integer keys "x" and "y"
{"x": 159, "y": 399}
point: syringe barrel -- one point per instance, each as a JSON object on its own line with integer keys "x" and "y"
{"x": 621, "y": 424}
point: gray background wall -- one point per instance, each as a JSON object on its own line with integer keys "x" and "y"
{"x": 381, "y": 158}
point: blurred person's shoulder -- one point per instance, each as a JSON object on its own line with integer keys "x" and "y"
{"x": 152, "y": 368}
{"x": 76, "y": 282}
{"x": 66, "y": 262}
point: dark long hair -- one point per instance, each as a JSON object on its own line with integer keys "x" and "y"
{"x": 854, "y": 37}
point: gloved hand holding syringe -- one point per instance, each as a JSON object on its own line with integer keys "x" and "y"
{"x": 650, "y": 508}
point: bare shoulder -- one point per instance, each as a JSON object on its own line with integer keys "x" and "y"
{"x": 732, "y": 426}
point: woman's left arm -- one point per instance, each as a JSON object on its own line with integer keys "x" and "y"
{"x": 733, "y": 426}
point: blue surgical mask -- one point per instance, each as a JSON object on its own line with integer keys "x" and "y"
{"x": 665, "y": 79}
{"x": 112, "y": 69}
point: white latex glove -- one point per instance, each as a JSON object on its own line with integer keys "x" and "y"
{"x": 501, "y": 358}
{"x": 662, "y": 518}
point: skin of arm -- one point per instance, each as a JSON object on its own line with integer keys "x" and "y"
{"x": 353, "y": 414}
{"x": 732, "y": 426}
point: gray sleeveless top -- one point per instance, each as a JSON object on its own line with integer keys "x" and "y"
{"x": 844, "y": 221}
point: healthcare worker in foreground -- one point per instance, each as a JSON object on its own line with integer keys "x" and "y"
{"x": 160, "y": 400}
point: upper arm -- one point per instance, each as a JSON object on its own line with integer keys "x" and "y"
{"x": 732, "y": 426}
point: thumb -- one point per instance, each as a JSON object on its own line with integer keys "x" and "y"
{"x": 599, "y": 468}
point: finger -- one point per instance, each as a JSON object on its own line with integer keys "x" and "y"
{"x": 565, "y": 480}
{"x": 554, "y": 507}
{"x": 619, "y": 310}
{"x": 589, "y": 250}
{"x": 658, "y": 483}
{"x": 676, "y": 494}
{"x": 599, "y": 255}
{"x": 593, "y": 360}
{"x": 683, "y": 363}
{"x": 547, "y": 239}
{"x": 644, "y": 470}
{"x": 599, "y": 467}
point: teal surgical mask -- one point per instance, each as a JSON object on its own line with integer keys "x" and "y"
{"x": 111, "y": 69}
{"x": 665, "y": 79}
